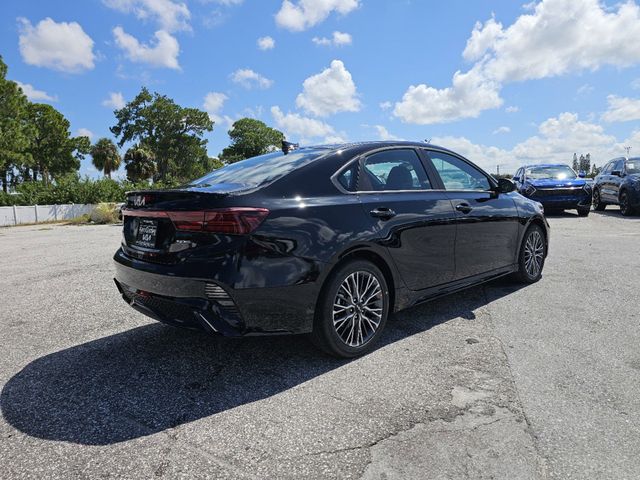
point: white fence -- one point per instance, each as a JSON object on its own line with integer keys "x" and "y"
{"x": 41, "y": 213}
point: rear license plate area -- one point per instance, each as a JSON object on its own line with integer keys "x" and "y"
{"x": 147, "y": 233}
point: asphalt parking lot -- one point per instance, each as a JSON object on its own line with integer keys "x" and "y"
{"x": 499, "y": 381}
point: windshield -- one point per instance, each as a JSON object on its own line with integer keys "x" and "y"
{"x": 555, "y": 172}
{"x": 259, "y": 171}
{"x": 633, "y": 165}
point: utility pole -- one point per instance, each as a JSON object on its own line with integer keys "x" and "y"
{"x": 627, "y": 149}
{"x": 498, "y": 169}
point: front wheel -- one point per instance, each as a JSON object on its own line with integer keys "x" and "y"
{"x": 583, "y": 212}
{"x": 352, "y": 310}
{"x": 625, "y": 208}
{"x": 598, "y": 204}
{"x": 532, "y": 255}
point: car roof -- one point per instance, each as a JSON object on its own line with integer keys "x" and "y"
{"x": 364, "y": 146}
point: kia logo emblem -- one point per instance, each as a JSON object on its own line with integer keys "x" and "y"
{"x": 138, "y": 200}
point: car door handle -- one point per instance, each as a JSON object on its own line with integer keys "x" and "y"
{"x": 464, "y": 207}
{"x": 383, "y": 213}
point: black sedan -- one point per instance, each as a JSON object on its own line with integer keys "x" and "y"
{"x": 324, "y": 240}
{"x": 618, "y": 183}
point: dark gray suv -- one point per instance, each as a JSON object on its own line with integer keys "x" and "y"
{"x": 618, "y": 184}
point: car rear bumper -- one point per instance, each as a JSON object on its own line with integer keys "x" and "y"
{"x": 212, "y": 306}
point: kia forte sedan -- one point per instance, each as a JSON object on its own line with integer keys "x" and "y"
{"x": 556, "y": 186}
{"x": 326, "y": 241}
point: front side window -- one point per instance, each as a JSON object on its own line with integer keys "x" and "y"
{"x": 457, "y": 174}
{"x": 393, "y": 170}
{"x": 551, "y": 172}
{"x": 607, "y": 168}
{"x": 633, "y": 166}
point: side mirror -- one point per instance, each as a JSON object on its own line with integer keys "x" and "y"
{"x": 617, "y": 173}
{"x": 582, "y": 174}
{"x": 505, "y": 185}
{"x": 516, "y": 179}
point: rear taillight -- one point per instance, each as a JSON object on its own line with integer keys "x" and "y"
{"x": 234, "y": 221}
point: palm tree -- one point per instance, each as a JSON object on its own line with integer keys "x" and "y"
{"x": 105, "y": 156}
{"x": 140, "y": 163}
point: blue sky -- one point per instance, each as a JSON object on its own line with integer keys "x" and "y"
{"x": 501, "y": 82}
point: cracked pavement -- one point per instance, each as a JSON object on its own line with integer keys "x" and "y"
{"x": 498, "y": 381}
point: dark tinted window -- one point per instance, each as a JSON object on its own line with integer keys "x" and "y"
{"x": 398, "y": 169}
{"x": 457, "y": 174}
{"x": 258, "y": 171}
{"x": 618, "y": 165}
{"x": 348, "y": 178}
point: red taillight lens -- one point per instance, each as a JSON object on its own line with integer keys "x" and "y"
{"x": 235, "y": 221}
{"x": 188, "y": 221}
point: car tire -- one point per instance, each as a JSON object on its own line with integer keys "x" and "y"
{"x": 352, "y": 310}
{"x": 598, "y": 204}
{"x": 532, "y": 249}
{"x": 625, "y": 208}
{"x": 584, "y": 212}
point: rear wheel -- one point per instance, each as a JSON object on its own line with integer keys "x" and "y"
{"x": 625, "y": 208}
{"x": 532, "y": 254}
{"x": 598, "y": 204}
{"x": 352, "y": 310}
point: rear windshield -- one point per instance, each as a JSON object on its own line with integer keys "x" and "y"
{"x": 259, "y": 171}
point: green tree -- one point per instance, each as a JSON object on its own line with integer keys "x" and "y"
{"x": 140, "y": 164}
{"x": 54, "y": 153}
{"x": 105, "y": 156}
{"x": 171, "y": 132}
{"x": 15, "y": 129}
{"x": 250, "y": 137}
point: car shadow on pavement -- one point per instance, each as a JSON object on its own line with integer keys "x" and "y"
{"x": 152, "y": 378}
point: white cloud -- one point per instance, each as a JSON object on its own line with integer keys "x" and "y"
{"x": 469, "y": 95}
{"x": 330, "y": 91}
{"x": 162, "y": 53}
{"x": 585, "y": 89}
{"x": 250, "y": 79}
{"x": 228, "y": 3}
{"x": 85, "y": 132}
{"x": 306, "y": 13}
{"x": 115, "y": 101}
{"x": 302, "y": 128}
{"x": 512, "y": 109}
{"x": 213, "y": 103}
{"x": 501, "y": 130}
{"x": 171, "y": 16}
{"x": 338, "y": 39}
{"x": 266, "y": 43}
{"x": 60, "y": 46}
{"x": 386, "y": 105}
{"x": 557, "y": 37}
{"x": 622, "y": 109}
{"x": 383, "y": 133}
{"x": 556, "y": 141}
{"x": 36, "y": 95}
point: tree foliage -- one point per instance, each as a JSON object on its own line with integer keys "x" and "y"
{"x": 173, "y": 134}
{"x": 250, "y": 137}
{"x": 140, "y": 163}
{"x": 105, "y": 156}
{"x": 15, "y": 130}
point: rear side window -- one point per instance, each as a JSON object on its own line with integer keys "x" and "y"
{"x": 394, "y": 170}
{"x": 457, "y": 174}
{"x": 348, "y": 178}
